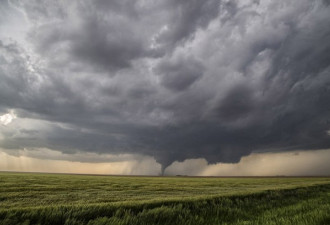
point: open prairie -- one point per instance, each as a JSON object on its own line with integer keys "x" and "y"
{"x": 28, "y": 198}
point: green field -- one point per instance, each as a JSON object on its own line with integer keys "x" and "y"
{"x": 27, "y": 198}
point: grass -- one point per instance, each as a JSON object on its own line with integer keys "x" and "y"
{"x": 81, "y": 199}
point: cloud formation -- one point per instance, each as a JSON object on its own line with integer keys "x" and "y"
{"x": 26, "y": 163}
{"x": 212, "y": 79}
{"x": 296, "y": 163}
{"x": 7, "y": 118}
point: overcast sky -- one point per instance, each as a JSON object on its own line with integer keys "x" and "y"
{"x": 156, "y": 84}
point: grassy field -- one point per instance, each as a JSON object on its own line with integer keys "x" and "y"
{"x": 27, "y": 198}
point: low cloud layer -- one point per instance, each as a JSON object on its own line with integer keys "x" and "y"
{"x": 297, "y": 163}
{"x": 27, "y": 162}
{"x": 294, "y": 163}
{"x": 171, "y": 80}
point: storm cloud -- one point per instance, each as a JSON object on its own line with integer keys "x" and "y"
{"x": 173, "y": 80}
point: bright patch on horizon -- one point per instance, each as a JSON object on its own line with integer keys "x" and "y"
{"x": 7, "y": 118}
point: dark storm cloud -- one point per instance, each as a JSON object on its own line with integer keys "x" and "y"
{"x": 103, "y": 41}
{"x": 174, "y": 80}
{"x": 111, "y": 34}
{"x": 237, "y": 103}
{"x": 186, "y": 18}
{"x": 179, "y": 74}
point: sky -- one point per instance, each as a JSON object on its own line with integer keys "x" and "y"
{"x": 212, "y": 87}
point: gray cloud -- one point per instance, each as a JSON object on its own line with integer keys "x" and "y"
{"x": 237, "y": 103}
{"x": 186, "y": 18}
{"x": 209, "y": 79}
{"x": 179, "y": 74}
